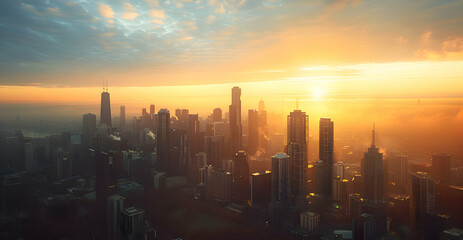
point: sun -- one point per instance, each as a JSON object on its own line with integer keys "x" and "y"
{"x": 317, "y": 93}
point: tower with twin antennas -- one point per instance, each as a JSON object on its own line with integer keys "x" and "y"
{"x": 105, "y": 111}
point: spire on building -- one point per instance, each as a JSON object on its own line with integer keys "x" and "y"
{"x": 373, "y": 136}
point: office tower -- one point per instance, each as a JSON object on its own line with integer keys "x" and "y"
{"x": 280, "y": 183}
{"x": 217, "y": 115}
{"x": 235, "y": 121}
{"x": 163, "y": 141}
{"x": 115, "y": 204}
{"x": 105, "y": 181}
{"x": 400, "y": 209}
{"x": 263, "y": 129}
{"x": 132, "y": 225}
{"x": 89, "y": 128}
{"x": 220, "y": 185}
{"x": 12, "y": 153}
{"x": 298, "y": 123}
{"x": 219, "y": 129}
{"x": 143, "y": 112}
{"x": 441, "y": 168}
{"x": 152, "y": 110}
{"x": 122, "y": 116}
{"x": 240, "y": 176}
{"x": 399, "y": 167}
{"x": 309, "y": 221}
{"x": 179, "y": 152}
{"x": 105, "y": 112}
{"x": 261, "y": 187}
{"x": 373, "y": 172}
{"x": 423, "y": 198}
{"x": 326, "y": 145}
{"x": 253, "y": 131}
{"x": 63, "y": 165}
{"x": 214, "y": 147}
{"x": 30, "y": 161}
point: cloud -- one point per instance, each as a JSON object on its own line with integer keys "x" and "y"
{"x": 106, "y": 11}
{"x": 221, "y": 9}
{"x": 130, "y": 15}
{"x": 158, "y": 13}
{"x": 158, "y": 21}
{"x": 210, "y": 19}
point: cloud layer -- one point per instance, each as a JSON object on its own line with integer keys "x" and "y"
{"x": 156, "y": 42}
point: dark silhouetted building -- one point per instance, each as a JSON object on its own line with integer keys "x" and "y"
{"x": 280, "y": 180}
{"x": 441, "y": 168}
{"x": 235, "y": 121}
{"x": 240, "y": 176}
{"x": 373, "y": 172}
{"x": 88, "y": 128}
{"x": 326, "y": 152}
{"x": 298, "y": 123}
{"x": 253, "y": 131}
{"x": 399, "y": 169}
{"x": 217, "y": 115}
{"x": 132, "y": 224}
{"x": 122, "y": 116}
{"x": 105, "y": 112}
{"x": 261, "y": 186}
{"x": 114, "y": 206}
{"x": 152, "y": 110}
{"x": 423, "y": 196}
{"x": 163, "y": 141}
{"x": 263, "y": 129}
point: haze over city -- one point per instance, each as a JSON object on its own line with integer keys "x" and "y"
{"x": 233, "y": 119}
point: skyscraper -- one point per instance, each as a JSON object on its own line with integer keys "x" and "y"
{"x": 235, "y": 121}
{"x": 423, "y": 198}
{"x": 88, "y": 128}
{"x": 280, "y": 164}
{"x": 298, "y": 131}
{"x": 441, "y": 167}
{"x": 240, "y": 176}
{"x": 217, "y": 115}
{"x": 105, "y": 112}
{"x": 373, "y": 172}
{"x": 132, "y": 224}
{"x": 163, "y": 140}
{"x": 152, "y": 110}
{"x": 399, "y": 167}
{"x": 326, "y": 145}
{"x": 114, "y": 205}
{"x": 122, "y": 116}
{"x": 253, "y": 131}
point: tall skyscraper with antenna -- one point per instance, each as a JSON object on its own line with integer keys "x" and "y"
{"x": 298, "y": 133}
{"x": 105, "y": 112}
{"x": 373, "y": 171}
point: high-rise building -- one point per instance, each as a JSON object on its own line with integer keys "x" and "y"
{"x": 423, "y": 197}
{"x": 105, "y": 111}
{"x": 373, "y": 172}
{"x": 152, "y": 110}
{"x": 122, "y": 116}
{"x": 253, "y": 131}
{"x": 63, "y": 165}
{"x": 220, "y": 185}
{"x": 261, "y": 186}
{"x": 219, "y": 129}
{"x": 89, "y": 128}
{"x": 280, "y": 181}
{"x": 309, "y": 221}
{"x": 132, "y": 225}
{"x": 217, "y": 115}
{"x": 235, "y": 121}
{"x": 114, "y": 206}
{"x": 399, "y": 169}
{"x": 276, "y": 143}
{"x": 163, "y": 141}
{"x": 214, "y": 147}
{"x": 326, "y": 146}
{"x": 298, "y": 123}
{"x": 240, "y": 176}
{"x": 441, "y": 168}
{"x": 105, "y": 181}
